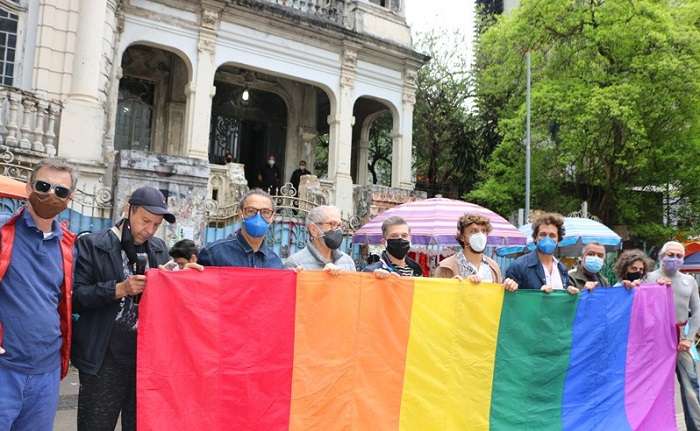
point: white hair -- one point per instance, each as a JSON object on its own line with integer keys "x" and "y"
{"x": 318, "y": 214}
{"x": 671, "y": 244}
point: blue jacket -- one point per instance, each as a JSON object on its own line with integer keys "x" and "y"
{"x": 235, "y": 251}
{"x": 527, "y": 271}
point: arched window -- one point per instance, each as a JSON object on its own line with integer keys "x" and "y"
{"x": 134, "y": 114}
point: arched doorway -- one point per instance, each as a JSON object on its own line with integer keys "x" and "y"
{"x": 151, "y": 101}
{"x": 372, "y": 142}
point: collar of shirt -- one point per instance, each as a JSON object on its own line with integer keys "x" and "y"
{"x": 554, "y": 278}
{"x": 55, "y": 226}
{"x": 264, "y": 249}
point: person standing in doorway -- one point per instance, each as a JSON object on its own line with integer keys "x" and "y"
{"x": 270, "y": 177}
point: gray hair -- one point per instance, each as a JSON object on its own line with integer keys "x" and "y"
{"x": 393, "y": 221}
{"x": 316, "y": 215}
{"x": 255, "y": 192}
{"x": 671, "y": 244}
{"x": 56, "y": 164}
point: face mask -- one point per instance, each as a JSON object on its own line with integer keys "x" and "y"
{"x": 256, "y": 226}
{"x": 333, "y": 238}
{"x": 593, "y": 264}
{"x": 398, "y": 247}
{"x": 47, "y": 205}
{"x": 633, "y": 276}
{"x": 271, "y": 162}
{"x": 477, "y": 242}
{"x": 546, "y": 245}
{"x": 671, "y": 265}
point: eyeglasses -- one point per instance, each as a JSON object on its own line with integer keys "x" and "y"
{"x": 332, "y": 224}
{"x": 59, "y": 190}
{"x": 251, "y": 211}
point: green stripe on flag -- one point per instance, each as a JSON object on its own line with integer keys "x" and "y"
{"x": 532, "y": 358}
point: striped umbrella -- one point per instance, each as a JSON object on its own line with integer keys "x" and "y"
{"x": 434, "y": 222}
{"x": 692, "y": 263}
{"x": 579, "y": 232}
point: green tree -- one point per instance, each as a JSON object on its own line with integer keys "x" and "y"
{"x": 447, "y": 152}
{"x": 615, "y": 102}
{"x": 380, "y": 147}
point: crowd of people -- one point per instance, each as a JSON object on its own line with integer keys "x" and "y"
{"x": 47, "y": 277}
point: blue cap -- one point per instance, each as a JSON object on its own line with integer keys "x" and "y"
{"x": 153, "y": 201}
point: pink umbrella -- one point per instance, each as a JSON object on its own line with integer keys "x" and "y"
{"x": 434, "y": 222}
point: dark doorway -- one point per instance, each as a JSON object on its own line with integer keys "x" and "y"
{"x": 249, "y": 125}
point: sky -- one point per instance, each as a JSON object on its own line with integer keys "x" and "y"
{"x": 450, "y": 15}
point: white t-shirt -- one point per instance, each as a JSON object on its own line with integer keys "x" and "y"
{"x": 554, "y": 278}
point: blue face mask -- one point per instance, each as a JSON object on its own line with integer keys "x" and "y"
{"x": 593, "y": 264}
{"x": 546, "y": 245}
{"x": 256, "y": 226}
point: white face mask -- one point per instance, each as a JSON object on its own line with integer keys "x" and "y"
{"x": 271, "y": 162}
{"x": 477, "y": 242}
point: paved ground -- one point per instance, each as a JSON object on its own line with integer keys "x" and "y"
{"x": 65, "y": 418}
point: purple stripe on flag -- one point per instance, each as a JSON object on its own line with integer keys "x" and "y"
{"x": 651, "y": 360}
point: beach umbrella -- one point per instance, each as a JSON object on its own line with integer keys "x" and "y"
{"x": 578, "y": 232}
{"x": 433, "y": 222}
{"x": 691, "y": 263}
{"x": 11, "y": 188}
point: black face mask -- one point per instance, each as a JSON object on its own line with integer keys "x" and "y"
{"x": 633, "y": 276}
{"x": 398, "y": 247}
{"x": 333, "y": 238}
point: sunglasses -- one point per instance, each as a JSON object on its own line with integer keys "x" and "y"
{"x": 59, "y": 190}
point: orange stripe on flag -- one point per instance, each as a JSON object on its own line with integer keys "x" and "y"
{"x": 349, "y": 351}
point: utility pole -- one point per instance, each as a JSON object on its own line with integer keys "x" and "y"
{"x": 527, "y": 143}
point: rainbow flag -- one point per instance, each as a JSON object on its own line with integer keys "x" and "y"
{"x": 243, "y": 349}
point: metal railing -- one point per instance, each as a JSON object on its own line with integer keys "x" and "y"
{"x": 89, "y": 211}
{"x": 287, "y": 233}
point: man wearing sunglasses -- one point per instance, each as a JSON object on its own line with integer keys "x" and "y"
{"x": 36, "y": 272}
{"x": 109, "y": 280}
{"x": 246, "y": 248}
{"x": 687, "y": 302}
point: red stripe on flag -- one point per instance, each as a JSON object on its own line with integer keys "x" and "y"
{"x": 215, "y": 350}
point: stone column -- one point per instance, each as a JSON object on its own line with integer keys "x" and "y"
{"x": 83, "y": 105}
{"x": 363, "y": 150}
{"x": 340, "y": 145}
{"x": 201, "y": 89}
{"x": 402, "y": 148}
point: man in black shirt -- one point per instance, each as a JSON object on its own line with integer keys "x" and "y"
{"x": 108, "y": 283}
{"x": 270, "y": 177}
{"x": 394, "y": 259}
{"x": 297, "y": 174}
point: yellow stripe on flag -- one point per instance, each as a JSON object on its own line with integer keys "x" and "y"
{"x": 459, "y": 321}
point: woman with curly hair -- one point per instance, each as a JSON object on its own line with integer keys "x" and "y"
{"x": 632, "y": 267}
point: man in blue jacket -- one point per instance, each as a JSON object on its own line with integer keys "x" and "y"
{"x": 540, "y": 269}
{"x": 246, "y": 248}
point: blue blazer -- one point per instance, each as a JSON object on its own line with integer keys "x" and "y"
{"x": 527, "y": 271}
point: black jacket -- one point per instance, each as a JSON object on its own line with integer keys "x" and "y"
{"x": 385, "y": 264}
{"x": 98, "y": 268}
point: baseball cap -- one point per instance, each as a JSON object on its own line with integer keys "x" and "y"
{"x": 153, "y": 201}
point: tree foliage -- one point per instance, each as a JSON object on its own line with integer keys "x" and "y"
{"x": 615, "y": 106}
{"x": 447, "y": 154}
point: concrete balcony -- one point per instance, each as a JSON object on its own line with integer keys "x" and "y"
{"x": 383, "y": 19}
{"x": 29, "y": 121}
